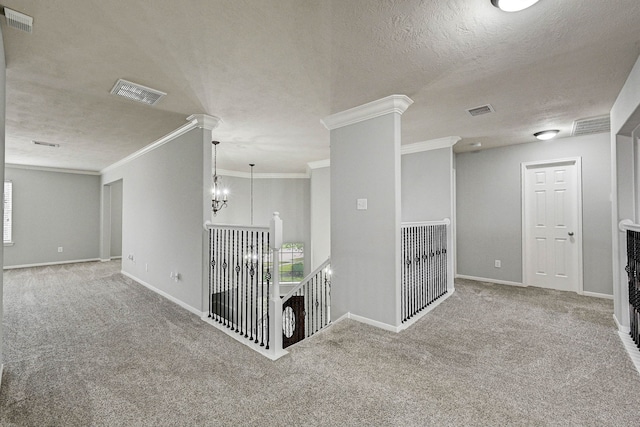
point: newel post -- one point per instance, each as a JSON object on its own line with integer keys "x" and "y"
{"x": 275, "y": 302}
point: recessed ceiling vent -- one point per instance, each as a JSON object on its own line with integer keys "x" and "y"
{"x": 137, "y": 92}
{"x": 483, "y": 109}
{"x": 18, "y": 20}
{"x": 46, "y": 144}
{"x": 591, "y": 126}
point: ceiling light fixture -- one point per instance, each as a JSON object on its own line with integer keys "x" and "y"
{"x": 546, "y": 134}
{"x": 218, "y": 194}
{"x": 513, "y": 5}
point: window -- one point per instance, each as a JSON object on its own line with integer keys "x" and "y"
{"x": 8, "y": 211}
{"x": 291, "y": 262}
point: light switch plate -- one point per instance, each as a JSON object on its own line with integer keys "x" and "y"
{"x": 361, "y": 204}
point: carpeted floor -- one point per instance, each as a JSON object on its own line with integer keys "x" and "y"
{"x": 85, "y": 346}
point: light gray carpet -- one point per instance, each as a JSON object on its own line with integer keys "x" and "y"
{"x": 86, "y": 346}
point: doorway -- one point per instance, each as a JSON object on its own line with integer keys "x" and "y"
{"x": 552, "y": 224}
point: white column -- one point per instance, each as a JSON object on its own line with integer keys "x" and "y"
{"x": 365, "y": 211}
{"x": 275, "y": 302}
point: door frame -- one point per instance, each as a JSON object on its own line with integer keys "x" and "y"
{"x": 577, "y": 161}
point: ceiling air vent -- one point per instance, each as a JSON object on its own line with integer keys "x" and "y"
{"x": 483, "y": 109}
{"x": 137, "y": 92}
{"x": 592, "y": 125}
{"x": 18, "y": 20}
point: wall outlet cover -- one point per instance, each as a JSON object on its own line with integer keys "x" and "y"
{"x": 361, "y": 204}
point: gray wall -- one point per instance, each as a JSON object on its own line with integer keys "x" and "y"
{"x": 489, "y": 208}
{"x": 163, "y": 212}
{"x": 116, "y": 219}
{"x": 3, "y": 89}
{"x": 426, "y": 185}
{"x": 365, "y": 252}
{"x": 320, "y": 216}
{"x": 288, "y": 196}
{"x": 51, "y": 210}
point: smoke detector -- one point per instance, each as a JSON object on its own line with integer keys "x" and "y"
{"x": 591, "y": 126}
{"x": 18, "y": 20}
{"x": 137, "y": 92}
{"x": 483, "y": 109}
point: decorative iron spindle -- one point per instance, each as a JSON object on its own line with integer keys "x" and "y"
{"x": 239, "y": 279}
{"x": 633, "y": 272}
{"x": 424, "y": 267}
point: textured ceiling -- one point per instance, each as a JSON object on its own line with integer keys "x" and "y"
{"x": 271, "y": 69}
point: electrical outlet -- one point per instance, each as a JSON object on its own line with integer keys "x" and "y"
{"x": 146, "y": 267}
{"x": 59, "y": 248}
{"x": 498, "y": 264}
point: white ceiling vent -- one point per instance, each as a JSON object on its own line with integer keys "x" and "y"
{"x": 137, "y": 92}
{"x": 591, "y": 126}
{"x": 483, "y": 109}
{"x": 18, "y": 20}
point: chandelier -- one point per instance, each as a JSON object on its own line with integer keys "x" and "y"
{"x": 218, "y": 194}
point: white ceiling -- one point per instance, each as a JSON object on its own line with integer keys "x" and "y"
{"x": 271, "y": 69}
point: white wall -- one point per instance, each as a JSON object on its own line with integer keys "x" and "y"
{"x": 320, "y": 216}
{"x": 3, "y": 89}
{"x": 489, "y": 208}
{"x": 52, "y": 210}
{"x": 163, "y": 211}
{"x": 426, "y": 185}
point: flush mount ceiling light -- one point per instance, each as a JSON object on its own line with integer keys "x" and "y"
{"x": 513, "y": 5}
{"x": 546, "y": 134}
{"x": 137, "y": 92}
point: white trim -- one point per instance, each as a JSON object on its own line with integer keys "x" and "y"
{"x": 51, "y": 169}
{"x": 114, "y": 258}
{"x": 44, "y": 264}
{"x": 577, "y": 161}
{"x": 163, "y": 294}
{"x": 270, "y": 354}
{"x": 341, "y": 318}
{"x": 195, "y": 121}
{"x": 208, "y": 225}
{"x": 445, "y": 221}
{"x": 621, "y": 328}
{"x": 372, "y": 322}
{"x": 432, "y": 144}
{"x": 426, "y": 311}
{"x": 225, "y": 172}
{"x": 486, "y": 280}
{"x": 627, "y": 224}
{"x": 597, "y": 295}
{"x": 204, "y": 121}
{"x": 632, "y": 349}
{"x": 319, "y": 164}
{"x": 390, "y": 104}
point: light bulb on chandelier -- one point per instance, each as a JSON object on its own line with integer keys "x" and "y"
{"x": 218, "y": 193}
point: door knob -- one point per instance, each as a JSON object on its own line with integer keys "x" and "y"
{"x": 570, "y": 233}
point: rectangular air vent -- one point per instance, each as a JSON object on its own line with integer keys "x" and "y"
{"x": 592, "y": 125}
{"x": 18, "y": 20}
{"x": 137, "y": 92}
{"x": 46, "y": 144}
{"x": 483, "y": 109}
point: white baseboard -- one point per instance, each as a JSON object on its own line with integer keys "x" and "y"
{"x": 621, "y": 328}
{"x": 631, "y": 348}
{"x": 116, "y": 257}
{"x": 496, "y": 281}
{"x": 372, "y": 322}
{"x": 164, "y": 294}
{"x": 597, "y": 295}
{"x": 44, "y": 264}
{"x": 272, "y": 354}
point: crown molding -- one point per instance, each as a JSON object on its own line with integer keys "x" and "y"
{"x": 390, "y": 104}
{"x": 204, "y": 121}
{"x": 237, "y": 174}
{"x": 432, "y": 144}
{"x": 50, "y": 169}
{"x": 319, "y": 164}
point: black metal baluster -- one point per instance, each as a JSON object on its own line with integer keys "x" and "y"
{"x": 403, "y": 281}
{"x": 211, "y": 260}
{"x": 269, "y": 264}
{"x": 420, "y": 261}
{"x": 245, "y": 281}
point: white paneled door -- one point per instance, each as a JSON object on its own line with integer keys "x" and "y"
{"x": 552, "y": 208}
